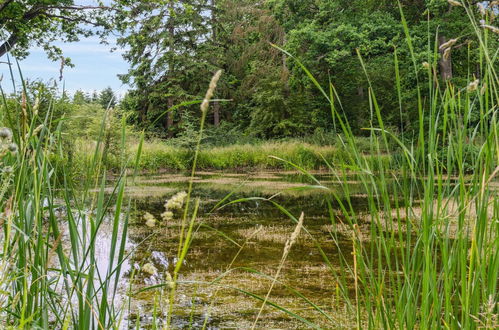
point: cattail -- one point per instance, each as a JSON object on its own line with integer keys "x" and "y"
{"x": 211, "y": 91}
{"x": 473, "y": 86}
{"x": 448, "y": 44}
{"x": 455, "y": 3}
{"x": 491, "y": 28}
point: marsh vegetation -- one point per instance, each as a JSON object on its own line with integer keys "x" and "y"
{"x": 365, "y": 197}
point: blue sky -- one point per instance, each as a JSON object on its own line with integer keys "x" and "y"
{"x": 95, "y": 67}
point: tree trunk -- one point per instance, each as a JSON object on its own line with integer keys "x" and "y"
{"x": 169, "y": 118}
{"x": 360, "y": 92}
{"x": 216, "y": 114}
{"x": 445, "y": 62}
{"x": 216, "y": 104}
{"x": 171, "y": 66}
{"x": 285, "y": 70}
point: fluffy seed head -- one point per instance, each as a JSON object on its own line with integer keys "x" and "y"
{"x": 473, "y": 86}
{"x": 167, "y": 215}
{"x": 448, "y": 44}
{"x": 149, "y": 269}
{"x": 5, "y": 133}
{"x": 176, "y": 202}
{"x": 211, "y": 91}
{"x": 13, "y": 148}
{"x": 150, "y": 219}
{"x": 455, "y": 3}
{"x": 491, "y": 28}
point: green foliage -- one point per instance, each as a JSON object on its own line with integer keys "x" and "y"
{"x": 107, "y": 98}
{"x": 27, "y": 23}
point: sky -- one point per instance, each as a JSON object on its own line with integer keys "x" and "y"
{"x": 95, "y": 67}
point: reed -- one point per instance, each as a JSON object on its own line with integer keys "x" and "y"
{"x": 430, "y": 256}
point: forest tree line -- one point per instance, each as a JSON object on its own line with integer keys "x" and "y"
{"x": 358, "y": 47}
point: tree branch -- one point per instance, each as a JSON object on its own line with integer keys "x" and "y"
{"x": 7, "y": 46}
{"x": 14, "y": 37}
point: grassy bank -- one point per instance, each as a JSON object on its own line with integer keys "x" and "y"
{"x": 158, "y": 155}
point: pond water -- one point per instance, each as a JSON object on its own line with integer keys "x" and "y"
{"x": 242, "y": 244}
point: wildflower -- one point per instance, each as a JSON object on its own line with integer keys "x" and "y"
{"x": 455, "y": 3}
{"x": 150, "y": 219}
{"x": 149, "y": 269}
{"x": 448, "y": 44}
{"x": 473, "y": 86}
{"x": 426, "y": 65}
{"x": 5, "y": 133}
{"x": 176, "y": 202}
{"x": 167, "y": 215}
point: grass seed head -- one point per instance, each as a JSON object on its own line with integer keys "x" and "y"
{"x": 211, "y": 91}
{"x": 448, "y": 44}
{"x": 491, "y": 28}
{"x": 149, "y": 269}
{"x": 473, "y": 86}
{"x": 150, "y": 219}
{"x": 455, "y": 3}
{"x": 167, "y": 215}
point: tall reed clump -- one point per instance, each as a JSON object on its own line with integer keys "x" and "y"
{"x": 52, "y": 273}
{"x": 426, "y": 254}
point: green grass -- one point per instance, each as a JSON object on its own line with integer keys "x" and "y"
{"x": 158, "y": 155}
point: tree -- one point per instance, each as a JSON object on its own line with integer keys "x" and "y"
{"x": 166, "y": 41}
{"x": 79, "y": 97}
{"x": 107, "y": 98}
{"x": 26, "y": 23}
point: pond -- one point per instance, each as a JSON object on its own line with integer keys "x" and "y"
{"x": 241, "y": 245}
